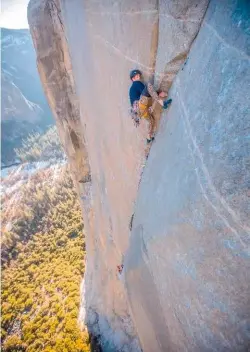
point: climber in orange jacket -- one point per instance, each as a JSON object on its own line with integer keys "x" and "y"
{"x": 139, "y": 95}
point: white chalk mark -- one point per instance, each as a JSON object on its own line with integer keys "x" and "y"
{"x": 143, "y": 13}
{"x": 120, "y": 53}
{"x": 126, "y": 57}
{"x": 179, "y": 19}
{"x": 216, "y": 34}
{"x": 129, "y": 13}
{"x": 214, "y": 191}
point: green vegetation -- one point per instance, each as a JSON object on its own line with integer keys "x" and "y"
{"x": 43, "y": 265}
{"x": 12, "y": 134}
{"x": 37, "y": 147}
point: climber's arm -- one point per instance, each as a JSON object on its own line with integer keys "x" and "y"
{"x": 152, "y": 91}
{"x": 157, "y": 97}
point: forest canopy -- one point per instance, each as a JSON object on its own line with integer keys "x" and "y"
{"x": 43, "y": 252}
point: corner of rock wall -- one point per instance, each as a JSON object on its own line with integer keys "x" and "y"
{"x": 54, "y": 66}
{"x": 187, "y": 266}
{"x": 55, "y": 70}
{"x": 179, "y": 23}
{"x": 85, "y": 51}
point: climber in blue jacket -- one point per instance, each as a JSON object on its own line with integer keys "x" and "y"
{"x": 141, "y": 106}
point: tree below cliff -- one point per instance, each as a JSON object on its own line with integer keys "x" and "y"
{"x": 43, "y": 253}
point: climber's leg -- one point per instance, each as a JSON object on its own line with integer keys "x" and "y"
{"x": 152, "y": 92}
{"x": 156, "y": 97}
{"x": 143, "y": 106}
{"x": 151, "y": 128}
{"x": 166, "y": 103}
{"x": 145, "y": 112}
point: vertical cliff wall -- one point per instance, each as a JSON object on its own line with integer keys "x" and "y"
{"x": 55, "y": 71}
{"x": 187, "y": 267}
{"x": 187, "y": 249}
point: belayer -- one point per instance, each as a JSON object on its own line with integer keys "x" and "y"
{"x": 141, "y": 106}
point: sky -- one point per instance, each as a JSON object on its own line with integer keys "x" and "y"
{"x": 14, "y": 14}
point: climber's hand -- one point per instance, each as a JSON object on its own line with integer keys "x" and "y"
{"x": 162, "y": 95}
{"x": 136, "y": 122}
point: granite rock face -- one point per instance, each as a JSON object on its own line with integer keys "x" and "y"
{"x": 179, "y": 23}
{"x": 188, "y": 258}
{"x": 185, "y": 281}
{"x": 55, "y": 71}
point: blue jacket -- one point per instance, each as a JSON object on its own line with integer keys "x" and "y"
{"x": 135, "y": 91}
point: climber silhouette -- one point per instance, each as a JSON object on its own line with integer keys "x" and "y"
{"x": 141, "y": 106}
{"x": 120, "y": 268}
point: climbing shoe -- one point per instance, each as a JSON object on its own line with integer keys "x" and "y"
{"x": 150, "y": 140}
{"x": 167, "y": 103}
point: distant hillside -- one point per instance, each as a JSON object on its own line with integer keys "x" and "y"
{"x": 24, "y": 107}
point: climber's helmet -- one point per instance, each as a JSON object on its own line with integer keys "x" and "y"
{"x": 134, "y": 74}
